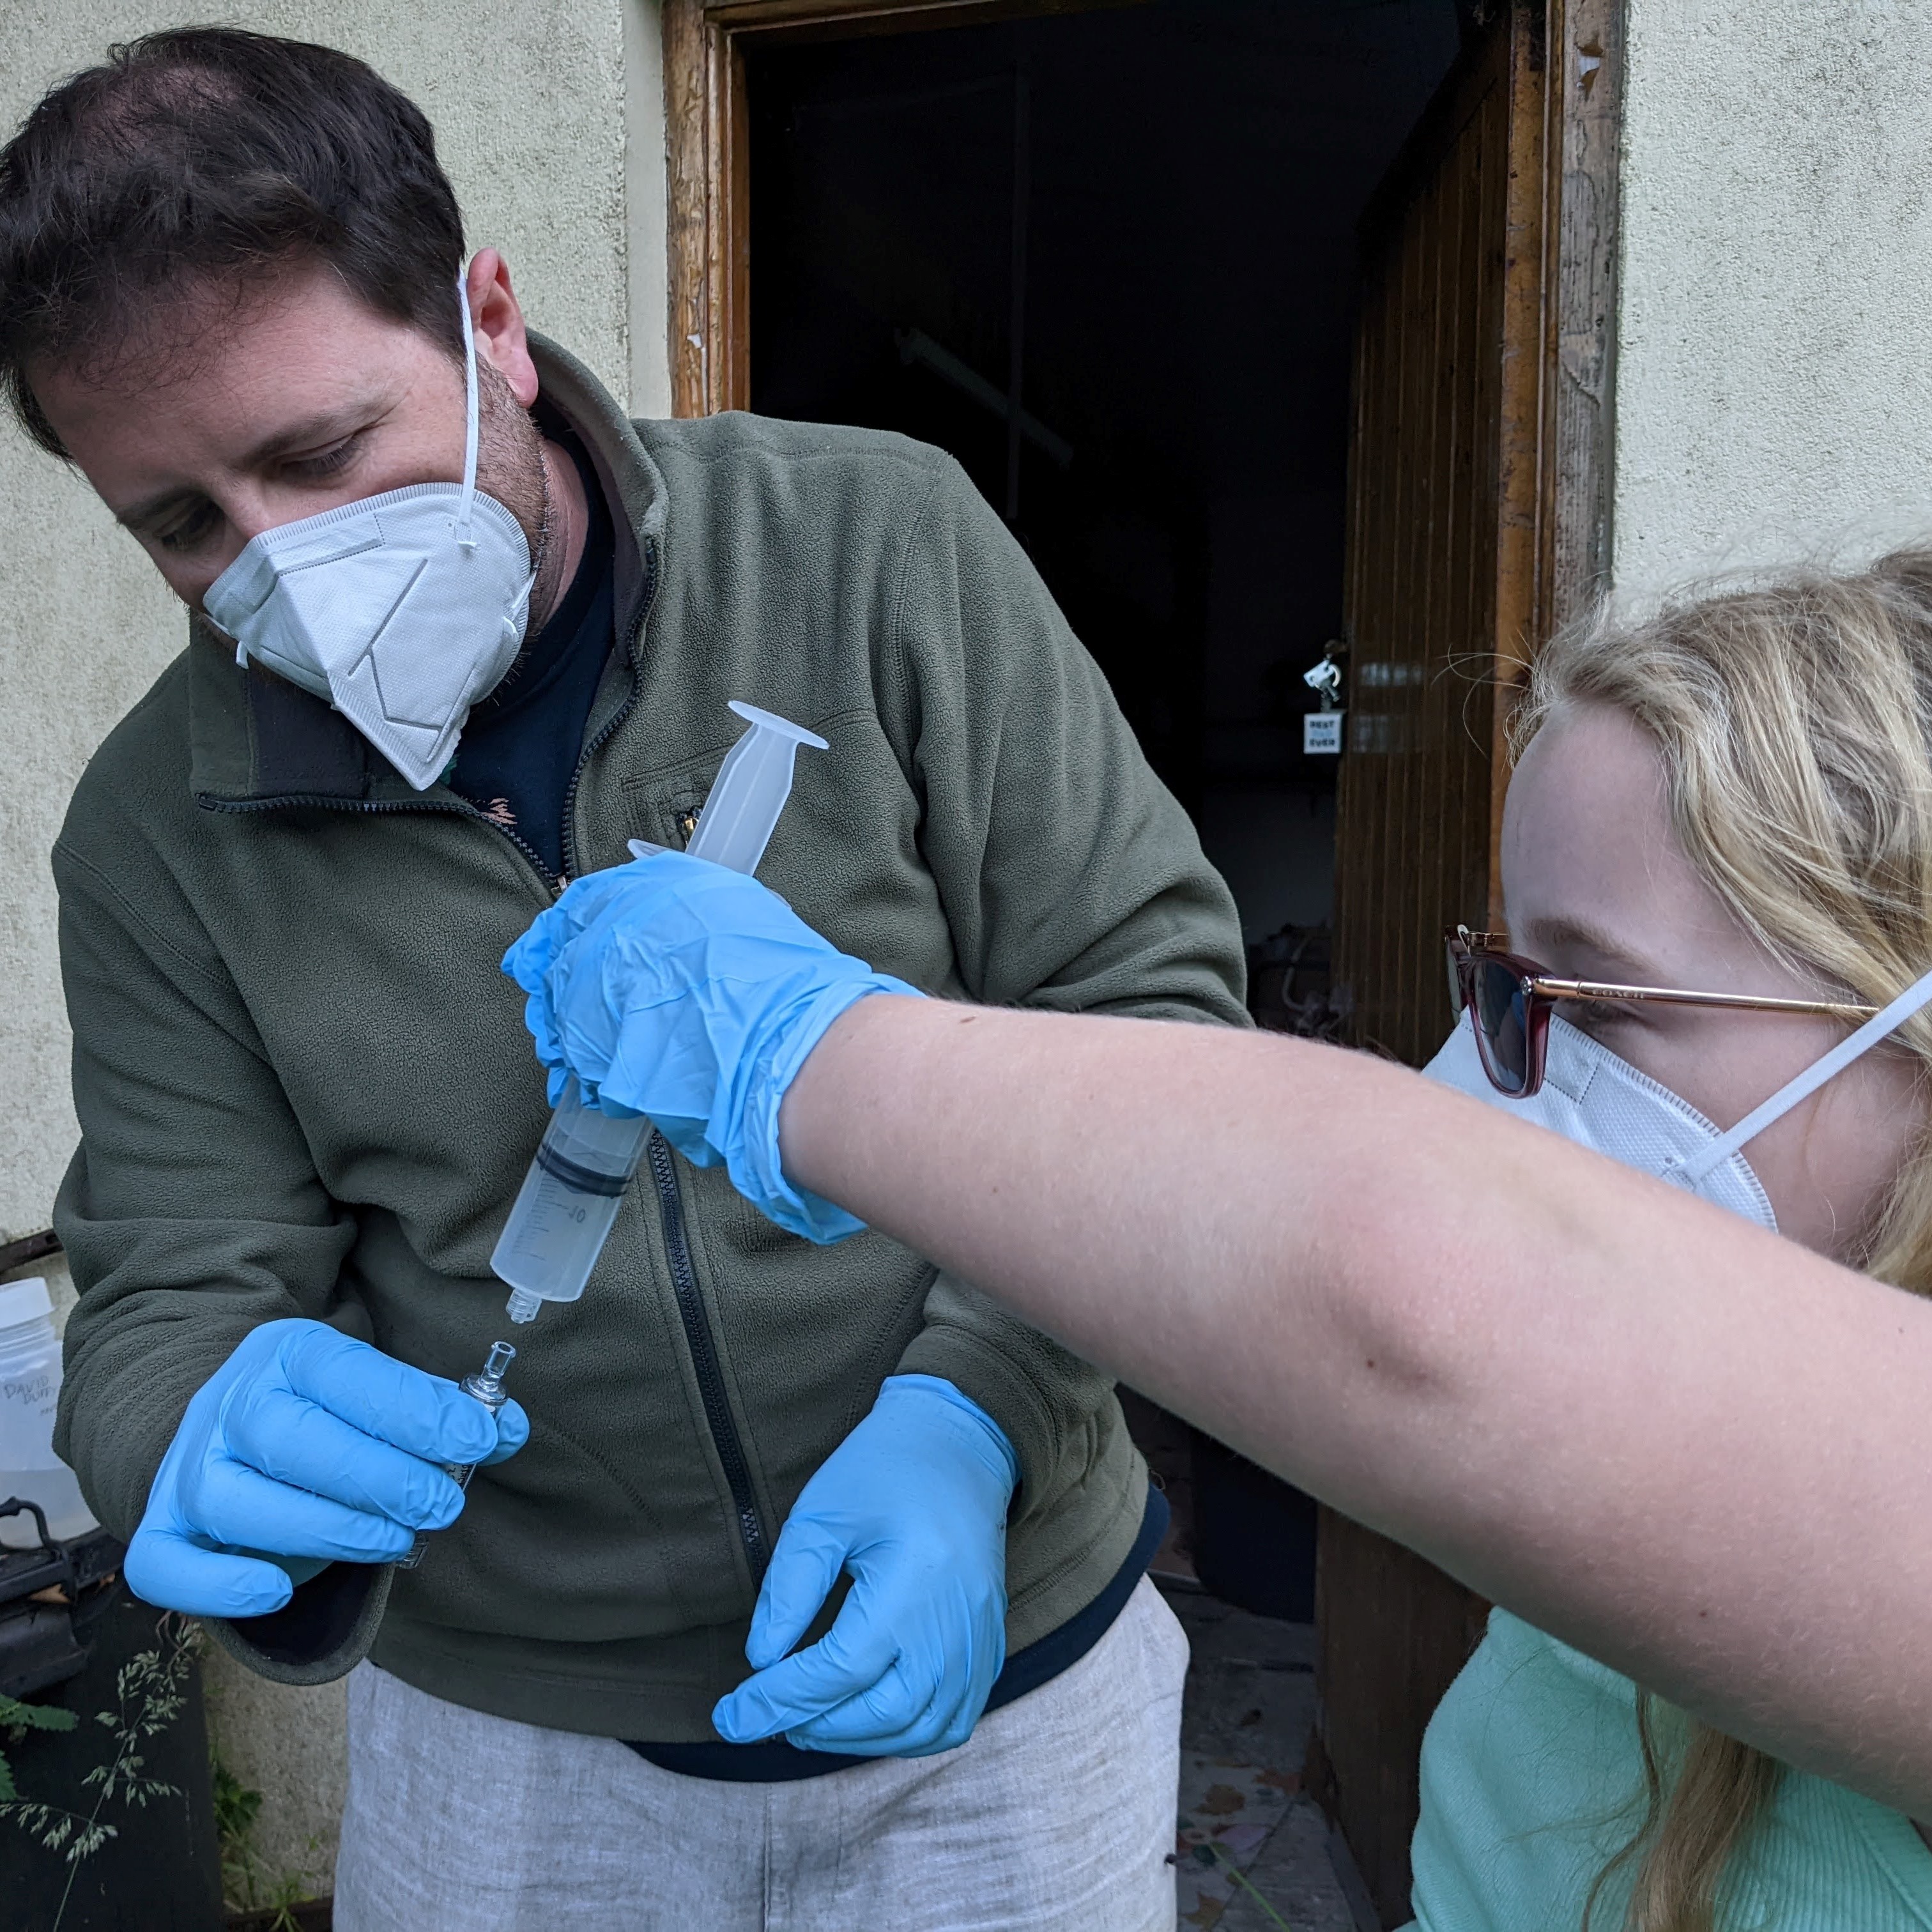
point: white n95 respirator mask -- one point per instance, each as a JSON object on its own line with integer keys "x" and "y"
{"x": 401, "y": 611}
{"x": 1592, "y": 1097}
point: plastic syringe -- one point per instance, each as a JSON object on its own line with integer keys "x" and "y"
{"x": 570, "y": 1197}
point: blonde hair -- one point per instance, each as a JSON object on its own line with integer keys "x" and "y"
{"x": 1794, "y": 719}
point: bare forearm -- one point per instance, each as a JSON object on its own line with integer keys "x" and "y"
{"x": 1679, "y": 1442}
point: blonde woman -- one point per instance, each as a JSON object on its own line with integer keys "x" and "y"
{"x": 1695, "y": 1450}
{"x": 1732, "y": 800}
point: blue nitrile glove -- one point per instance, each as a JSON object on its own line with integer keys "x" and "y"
{"x": 913, "y": 1503}
{"x": 304, "y": 1445}
{"x": 673, "y": 988}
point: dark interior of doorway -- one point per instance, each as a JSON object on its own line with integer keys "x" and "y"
{"x": 1107, "y": 259}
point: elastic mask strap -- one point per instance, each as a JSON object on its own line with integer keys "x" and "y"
{"x": 1876, "y": 1028}
{"x": 465, "y": 535}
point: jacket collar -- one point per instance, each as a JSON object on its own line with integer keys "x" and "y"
{"x": 257, "y": 740}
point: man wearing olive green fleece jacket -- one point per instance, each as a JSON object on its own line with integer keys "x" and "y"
{"x": 306, "y": 1096}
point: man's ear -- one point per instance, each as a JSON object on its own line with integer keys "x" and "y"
{"x": 497, "y": 317}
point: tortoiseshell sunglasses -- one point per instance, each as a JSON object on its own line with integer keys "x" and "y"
{"x": 1511, "y": 999}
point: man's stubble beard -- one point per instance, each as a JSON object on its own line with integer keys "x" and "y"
{"x": 510, "y": 468}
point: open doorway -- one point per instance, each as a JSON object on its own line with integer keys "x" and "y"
{"x": 1139, "y": 225}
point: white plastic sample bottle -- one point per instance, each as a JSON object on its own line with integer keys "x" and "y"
{"x": 30, "y": 1380}
{"x": 585, "y": 1162}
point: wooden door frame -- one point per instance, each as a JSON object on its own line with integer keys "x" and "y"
{"x": 1582, "y": 218}
{"x": 1558, "y": 428}
{"x": 707, "y": 152}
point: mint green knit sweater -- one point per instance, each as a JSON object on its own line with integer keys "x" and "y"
{"x": 1532, "y": 1782}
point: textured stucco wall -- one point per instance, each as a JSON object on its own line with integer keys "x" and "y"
{"x": 1775, "y": 379}
{"x": 549, "y": 117}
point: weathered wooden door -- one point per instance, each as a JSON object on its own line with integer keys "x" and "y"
{"x": 1441, "y": 599}
{"x": 1476, "y": 519}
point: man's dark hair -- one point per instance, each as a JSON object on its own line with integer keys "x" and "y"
{"x": 206, "y": 157}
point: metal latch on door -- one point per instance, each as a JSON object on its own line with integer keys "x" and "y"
{"x": 1322, "y": 731}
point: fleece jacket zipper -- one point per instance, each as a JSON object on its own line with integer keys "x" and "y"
{"x": 698, "y": 1338}
{"x": 704, "y": 1347}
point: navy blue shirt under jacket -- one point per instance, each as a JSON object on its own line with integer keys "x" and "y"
{"x": 518, "y": 752}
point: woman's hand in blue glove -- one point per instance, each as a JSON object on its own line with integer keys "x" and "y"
{"x": 913, "y": 1505}
{"x": 673, "y": 988}
{"x": 307, "y": 1444}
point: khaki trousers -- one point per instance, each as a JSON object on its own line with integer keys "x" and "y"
{"x": 1058, "y": 1815}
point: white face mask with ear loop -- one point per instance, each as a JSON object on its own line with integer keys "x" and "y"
{"x": 400, "y": 610}
{"x": 1591, "y": 1096}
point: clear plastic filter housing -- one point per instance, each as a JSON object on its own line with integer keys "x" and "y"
{"x": 570, "y": 1197}
{"x": 486, "y": 1386}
